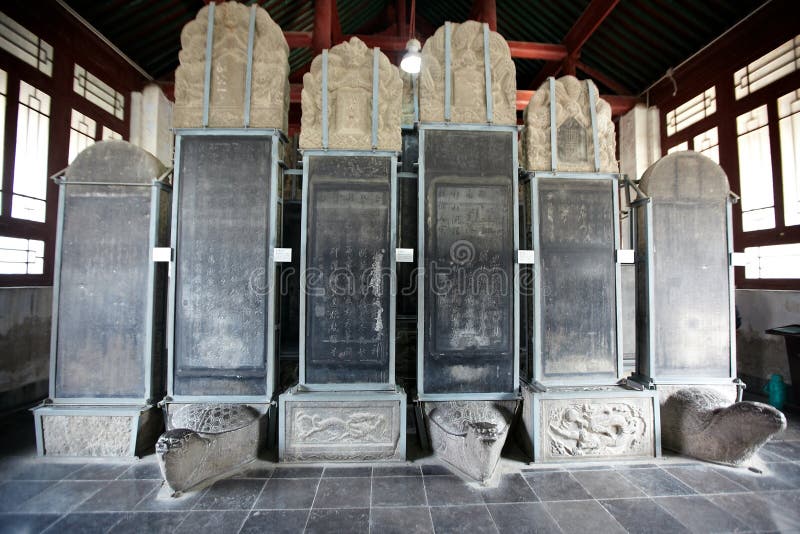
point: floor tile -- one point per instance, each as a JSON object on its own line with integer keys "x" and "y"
{"x": 148, "y": 522}
{"x": 522, "y": 518}
{"x": 85, "y": 523}
{"x": 766, "y": 481}
{"x": 583, "y": 516}
{"x": 705, "y": 480}
{"x": 347, "y": 471}
{"x": 445, "y": 491}
{"x": 789, "y": 473}
{"x": 435, "y": 470}
{"x": 297, "y": 472}
{"x": 119, "y": 496}
{"x": 572, "y": 469}
{"x": 260, "y": 471}
{"x": 352, "y": 521}
{"x": 142, "y": 470}
{"x": 284, "y": 494}
{"x": 407, "y": 520}
{"x": 398, "y": 491}
{"x": 230, "y": 494}
{"x": 642, "y": 516}
{"x": 700, "y": 515}
{"x": 785, "y": 507}
{"x": 161, "y": 500}
{"x": 62, "y": 496}
{"x": 98, "y": 472}
{"x": 396, "y": 471}
{"x": 26, "y": 523}
{"x": 754, "y": 511}
{"x": 275, "y": 522}
{"x": 789, "y": 450}
{"x": 45, "y": 471}
{"x": 510, "y": 488}
{"x": 607, "y": 485}
{"x": 343, "y": 493}
{"x": 13, "y": 494}
{"x": 455, "y": 519}
{"x": 556, "y": 486}
{"x": 216, "y": 522}
{"x": 657, "y": 483}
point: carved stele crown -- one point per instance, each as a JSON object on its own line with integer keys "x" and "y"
{"x": 350, "y": 66}
{"x": 467, "y": 77}
{"x": 574, "y": 143}
{"x": 269, "y": 101}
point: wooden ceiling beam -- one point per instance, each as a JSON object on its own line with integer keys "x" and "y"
{"x": 485, "y": 11}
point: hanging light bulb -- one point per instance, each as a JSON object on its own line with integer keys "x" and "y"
{"x": 412, "y": 60}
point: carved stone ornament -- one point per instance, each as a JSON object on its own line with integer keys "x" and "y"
{"x": 350, "y": 100}
{"x": 269, "y": 101}
{"x": 574, "y": 143}
{"x": 408, "y": 99}
{"x": 468, "y": 78}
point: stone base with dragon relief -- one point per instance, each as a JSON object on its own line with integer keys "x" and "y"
{"x": 342, "y": 426}
{"x": 572, "y": 424}
{"x": 469, "y": 435}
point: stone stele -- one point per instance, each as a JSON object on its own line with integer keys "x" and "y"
{"x": 468, "y": 78}
{"x": 469, "y": 435}
{"x": 699, "y": 422}
{"x": 574, "y": 144}
{"x": 269, "y": 101}
{"x": 350, "y": 100}
{"x": 206, "y": 441}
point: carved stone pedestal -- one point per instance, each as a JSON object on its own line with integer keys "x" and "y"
{"x": 124, "y": 431}
{"x": 469, "y": 435}
{"x": 572, "y": 424}
{"x": 342, "y": 426}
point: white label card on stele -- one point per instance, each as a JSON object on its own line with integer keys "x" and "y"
{"x": 404, "y": 255}
{"x": 282, "y": 255}
{"x": 526, "y": 257}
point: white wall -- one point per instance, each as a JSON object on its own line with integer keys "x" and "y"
{"x": 151, "y": 123}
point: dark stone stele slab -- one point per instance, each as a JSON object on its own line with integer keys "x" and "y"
{"x": 469, "y": 264}
{"x": 101, "y": 342}
{"x": 221, "y": 302}
{"x": 578, "y": 285}
{"x": 348, "y": 265}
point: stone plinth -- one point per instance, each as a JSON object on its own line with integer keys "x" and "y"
{"x": 269, "y": 101}
{"x": 468, "y": 77}
{"x": 469, "y": 435}
{"x": 350, "y": 80}
{"x": 574, "y": 424}
{"x": 101, "y": 431}
{"x": 342, "y": 426}
{"x": 574, "y": 138}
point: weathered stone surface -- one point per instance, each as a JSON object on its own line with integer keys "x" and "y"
{"x": 112, "y": 162}
{"x": 469, "y": 435}
{"x": 574, "y": 144}
{"x": 269, "y": 103}
{"x": 342, "y": 430}
{"x": 699, "y": 422}
{"x": 407, "y": 118}
{"x": 468, "y": 79}
{"x": 350, "y": 100}
{"x": 205, "y": 441}
{"x": 592, "y": 423}
{"x": 99, "y": 435}
{"x": 729, "y": 393}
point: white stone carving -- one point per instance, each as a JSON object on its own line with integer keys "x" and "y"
{"x": 574, "y": 143}
{"x": 468, "y": 82}
{"x": 408, "y": 99}
{"x": 269, "y": 103}
{"x": 350, "y": 68}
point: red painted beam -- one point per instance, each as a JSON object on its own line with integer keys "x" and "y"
{"x": 546, "y": 51}
{"x": 323, "y": 21}
{"x": 619, "y": 104}
{"x": 485, "y": 11}
{"x": 298, "y": 39}
{"x": 601, "y": 77}
{"x": 587, "y": 23}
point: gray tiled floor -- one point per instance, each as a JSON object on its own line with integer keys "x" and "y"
{"x": 668, "y": 495}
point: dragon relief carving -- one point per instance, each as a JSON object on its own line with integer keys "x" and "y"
{"x": 468, "y": 82}
{"x": 350, "y": 427}
{"x": 269, "y": 102}
{"x": 575, "y": 147}
{"x": 350, "y": 100}
{"x": 596, "y": 429}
